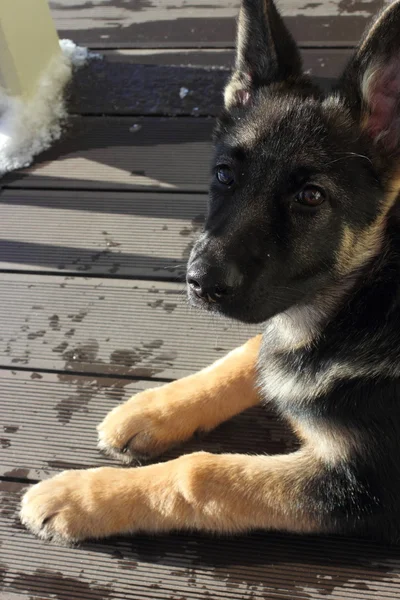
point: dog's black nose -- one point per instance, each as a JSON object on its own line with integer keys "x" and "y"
{"x": 206, "y": 291}
{"x": 209, "y": 283}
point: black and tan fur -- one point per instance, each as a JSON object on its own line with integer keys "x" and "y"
{"x": 323, "y": 278}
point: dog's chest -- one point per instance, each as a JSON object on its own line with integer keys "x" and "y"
{"x": 289, "y": 375}
{"x": 282, "y": 383}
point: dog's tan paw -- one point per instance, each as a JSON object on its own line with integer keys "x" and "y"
{"x": 66, "y": 508}
{"x": 142, "y": 428}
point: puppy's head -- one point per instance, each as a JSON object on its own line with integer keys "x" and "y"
{"x": 301, "y": 184}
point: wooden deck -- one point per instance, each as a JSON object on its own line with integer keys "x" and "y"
{"x": 93, "y": 244}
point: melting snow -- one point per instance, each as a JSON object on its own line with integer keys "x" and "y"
{"x": 30, "y": 126}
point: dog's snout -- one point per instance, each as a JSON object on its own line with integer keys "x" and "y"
{"x": 211, "y": 283}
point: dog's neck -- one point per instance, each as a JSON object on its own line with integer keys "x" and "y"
{"x": 355, "y": 334}
{"x": 303, "y": 325}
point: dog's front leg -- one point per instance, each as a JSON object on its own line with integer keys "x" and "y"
{"x": 201, "y": 491}
{"x": 156, "y": 419}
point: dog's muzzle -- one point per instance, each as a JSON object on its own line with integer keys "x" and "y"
{"x": 212, "y": 283}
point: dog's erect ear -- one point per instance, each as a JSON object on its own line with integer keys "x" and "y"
{"x": 371, "y": 81}
{"x": 266, "y": 52}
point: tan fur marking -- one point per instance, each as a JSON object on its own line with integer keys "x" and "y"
{"x": 328, "y": 443}
{"x": 359, "y": 246}
{"x": 221, "y": 493}
{"x": 162, "y": 417}
{"x": 296, "y": 328}
{"x": 378, "y": 23}
{"x": 367, "y": 81}
{"x": 231, "y": 90}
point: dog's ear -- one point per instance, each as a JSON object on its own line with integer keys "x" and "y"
{"x": 371, "y": 81}
{"x": 265, "y": 52}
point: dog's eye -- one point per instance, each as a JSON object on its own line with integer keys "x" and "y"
{"x": 225, "y": 175}
{"x": 310, "y": 196}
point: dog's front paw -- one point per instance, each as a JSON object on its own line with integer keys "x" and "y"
{"x": 68, "y": 508}
{"x": 144, "y": 427}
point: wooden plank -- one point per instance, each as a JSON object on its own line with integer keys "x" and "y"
{"x": 172, "y": 83}
{"x": 143, "y": 234}
{"x": 58, "y": 414}
{"x": 118, "y": 85}
{"x": 325, "y": 65}
{"x": 130, "y": 327}
{"x": 188, "y": 566}
{"x": 124, "y": 153}
{"x": 201, "y": 23}
{"x": 319, "y": 62}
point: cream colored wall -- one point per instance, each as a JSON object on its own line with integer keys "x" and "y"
{"x": 28, "y": 40}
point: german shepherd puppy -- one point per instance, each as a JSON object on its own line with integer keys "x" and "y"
{"x": 302, "y": 235}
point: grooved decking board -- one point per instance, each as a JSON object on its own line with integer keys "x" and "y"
{"x": 191, "y": 567}
{"x": 56, "y": 415}
{"x": 197, "y": 23}
{"x": 108, "y": 326}
{"x": 48, "y": 421}
{"x": 319, "y": 62}
{"x": 132, "y": 234}
{"x": 124, "y": 153}
{"x": 172, "y": 83}
{"x": 118, "y": 85}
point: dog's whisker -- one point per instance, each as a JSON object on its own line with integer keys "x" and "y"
{"x": 349, "y": 155}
